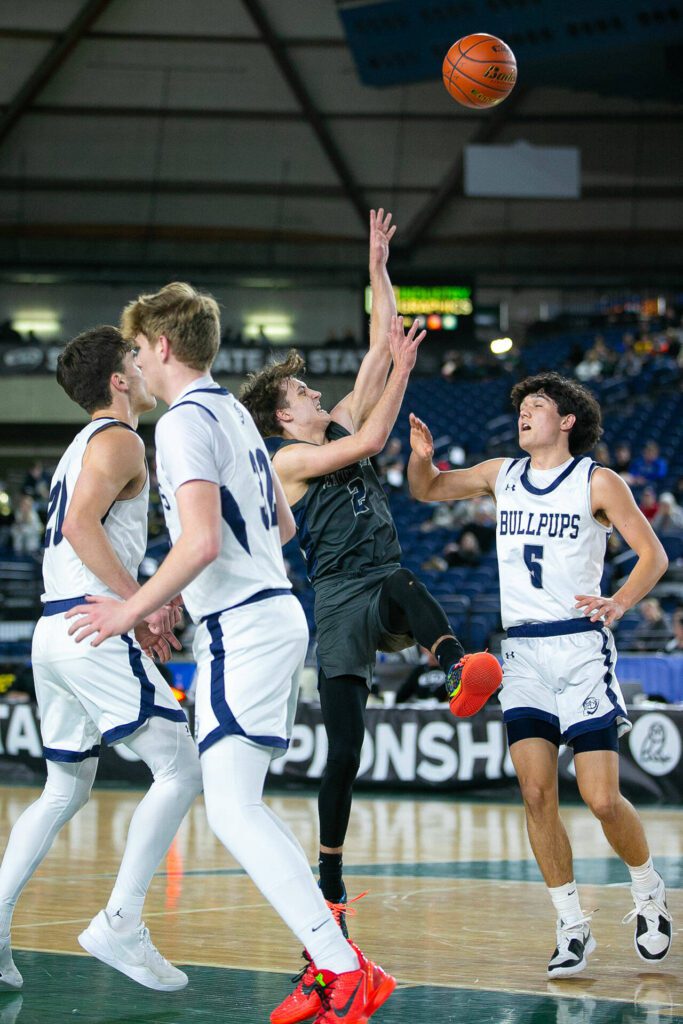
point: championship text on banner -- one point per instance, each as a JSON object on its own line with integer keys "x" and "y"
{"x": 412, "y": 748}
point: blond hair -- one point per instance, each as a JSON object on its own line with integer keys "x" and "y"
{"x": 189, "y": 319}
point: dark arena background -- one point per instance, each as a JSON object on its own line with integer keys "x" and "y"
{"x": 239, "y": 145}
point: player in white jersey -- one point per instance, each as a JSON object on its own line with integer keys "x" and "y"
{"x": 94, "y": 542}
{"x": 228, "y": 518}
{"x": 556, "y": 508}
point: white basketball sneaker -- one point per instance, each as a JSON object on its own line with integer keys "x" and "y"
{"x": 133, "y": 953}
{"x": 10, "y": 979}
{"x": 652, "y": 939}
{"x": 575, "y": 943}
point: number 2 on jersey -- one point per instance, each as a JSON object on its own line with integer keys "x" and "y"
{"x": 533, "y": 557}
{"x": 261, "y": 467}
{"x": 56, "y": 503}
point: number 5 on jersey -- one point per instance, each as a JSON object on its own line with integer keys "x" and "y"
{"x": 533, "y": 557}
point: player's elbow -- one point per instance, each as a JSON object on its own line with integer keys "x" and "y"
{"x": 419, "y": 491}
{"x": 207, "y": 548}
{"x": 661, "y": 562}
{"x": 371, "y": 442}
{"x": 287, "y": 532}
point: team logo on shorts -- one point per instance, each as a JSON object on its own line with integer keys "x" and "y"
{"x": 590, "y": 705}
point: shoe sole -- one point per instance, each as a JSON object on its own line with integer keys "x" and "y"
{"x": 380, "y": 995}
{"x": 296, "y": 1019}
{"x": 568, "y": 972}
{"x": 141, "y": 975}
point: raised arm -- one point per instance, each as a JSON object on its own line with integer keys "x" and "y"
{"x": 427, "y": 483}
{"x": 298, "y": 463}
{"x": 612, "y": 500}
{"x": 355, "y": 408}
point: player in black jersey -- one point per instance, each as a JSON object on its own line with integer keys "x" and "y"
{"x": 364, "y": 600}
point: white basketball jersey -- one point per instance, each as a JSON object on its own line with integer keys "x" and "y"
{"x": 550, "y": 546}
{"x": 125, "y": 524}
{"x": 208, "y": 435}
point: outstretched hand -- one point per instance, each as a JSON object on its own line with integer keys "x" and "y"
{"x": 381, "y": 233}
{"x": 421, "y": 440}
{"x": 403, "y": 347}
{"x": 103, "y": 616}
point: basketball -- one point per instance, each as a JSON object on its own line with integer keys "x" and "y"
{"x": 479, "y": 70}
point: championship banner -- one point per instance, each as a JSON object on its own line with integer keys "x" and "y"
{"x": 22, "y": 360}
{"x": 412, "y": 748}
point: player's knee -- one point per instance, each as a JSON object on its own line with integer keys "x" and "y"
{"x": 64, "y": 803}
{"x": 539, "y": 798}
{"x": 604, "y": 804}
{"x": 402, "y": 582}
{"x": 343, "y": 762}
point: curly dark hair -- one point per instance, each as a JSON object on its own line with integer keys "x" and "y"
{"x": 263, "y": 393}
{"x": 86, "y": 363}
{"x": 569, "y": 397}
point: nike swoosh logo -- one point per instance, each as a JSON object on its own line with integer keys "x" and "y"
{"x": 571, "y": 893}
{"x": 345, "y": 1009}
{"x": 318, "y": 927}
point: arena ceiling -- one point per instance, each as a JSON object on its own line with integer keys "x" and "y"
{"x": 232, "y": 138}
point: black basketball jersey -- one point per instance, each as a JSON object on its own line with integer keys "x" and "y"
{"x": 343, "y": 520}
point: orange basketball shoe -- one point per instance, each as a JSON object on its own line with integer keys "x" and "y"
{"x": 380, "y": 984}
{"x": 343, "y": 997}
{"x": 304, "y": 1001}
{"x": 471, "y": 682}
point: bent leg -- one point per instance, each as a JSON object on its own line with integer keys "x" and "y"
{"x": 597, "y": 775}
{"x": 66, "y": 790}
{"x": 406, "y": 606}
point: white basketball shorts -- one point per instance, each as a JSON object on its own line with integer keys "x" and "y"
{"x": 563, "y": 674}
{"x": 247, "y": 659}
{"x": 86, "y": 694}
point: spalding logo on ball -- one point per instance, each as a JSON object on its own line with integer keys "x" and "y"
{"x": 479, "y": 70}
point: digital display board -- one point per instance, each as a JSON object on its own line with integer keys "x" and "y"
{"x": 441, "y": 307}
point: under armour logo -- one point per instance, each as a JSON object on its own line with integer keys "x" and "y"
{"x": 510, "y": 487}
{"x": 509, "y": 654}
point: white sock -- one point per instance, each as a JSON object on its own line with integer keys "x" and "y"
{"x": 234, "y": 772}
{"x": 644, "y": 879}
{"x": 566, "y": 902}
{"x": 123, "y": 919}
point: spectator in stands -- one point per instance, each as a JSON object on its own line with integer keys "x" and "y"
{"x": 648, "y": 503}
{"x": 7, "y": 518}
{"x": 649, "y": 467}
{"x": 482, "y": 522}
{"x": 447, "y": 515}
{"x": 669, "y": 517}
{"x": 391, "y": 464}
{"x": 426, "y": 681}
{"x": 675, "y": 644}
{"x": 629, "y": 363}
{"x": 623, "y": 457}
{"x": 601, "y": 454}
{"x": 8, "y": 335}
{"x": 590, "y": 367}
{"x": 464, "y": 552}
{"x": 37, "y": 485}
{"x": 654, "y": 630}
{"x": 27, "y": 529}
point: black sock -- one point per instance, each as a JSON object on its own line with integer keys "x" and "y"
{"x": 448, "y": 653}
{"x": 330, "y": 867}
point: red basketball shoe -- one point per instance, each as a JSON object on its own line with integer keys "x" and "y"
{"x": 471, "y": 682}
{"x": 343, "y": 997}
{"x": 304, "y": 1001}
{"x": 380, "y": 984}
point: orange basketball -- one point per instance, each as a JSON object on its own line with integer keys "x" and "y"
{"x": 479, "y": 70}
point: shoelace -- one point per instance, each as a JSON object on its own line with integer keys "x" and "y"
{"x": 567, "y": 928}
{"x": 299, "y": 977}
{"x": 646, "y": 906}
{"x": 146, "y": 941}
{"x": 345, "y": 908}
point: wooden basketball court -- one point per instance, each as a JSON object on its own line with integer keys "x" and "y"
{"x": 455, "y": 909}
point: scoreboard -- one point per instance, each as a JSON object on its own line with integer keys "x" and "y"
{"x": 447, "y": 308}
